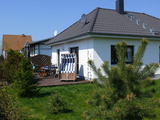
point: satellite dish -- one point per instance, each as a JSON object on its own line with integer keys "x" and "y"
{"x": 83, "y": 18}
{"x": 55, "y": 33}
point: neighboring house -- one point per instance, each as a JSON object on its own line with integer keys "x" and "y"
{"x": 95, "y": 35}
{"x": 14, "y": 42}
{"x": 40, "y": 48}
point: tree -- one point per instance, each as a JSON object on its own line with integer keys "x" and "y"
{"x": 25, "y": 83}
{"x": 119, "y": 94}
{"x": 11, "y": 64}
{"x": 18, "y": 71}
{"x": 1, "y": 67}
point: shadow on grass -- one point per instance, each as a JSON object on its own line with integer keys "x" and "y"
{"x": 67, "y": 111}
{"x": 39, "y": 95}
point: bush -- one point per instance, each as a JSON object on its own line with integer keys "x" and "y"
{"x": 24, "y": 80}
{"x": 11, "y": 64}
{"x": 56, "y": 104}
{"x": 1, "y": 68}
{"x": 9, "y": 105}
{"x": 17, "y": 70}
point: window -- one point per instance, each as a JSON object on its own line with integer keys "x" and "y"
{"x": 129, "y": 54}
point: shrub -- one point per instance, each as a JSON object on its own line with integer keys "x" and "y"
{"x": 1, "y": 68}
{"x": 24, "y": 80}
{"x": 11, "y": 64}
{"x": 56, "y": 104}
{"x": 9, "y": 104}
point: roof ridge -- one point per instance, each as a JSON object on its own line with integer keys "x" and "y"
{"x": 94, "y": 20}
{"x": 13, "y": 35}
{"x": 151, "y": 16}
{"x": 132, "y": 12}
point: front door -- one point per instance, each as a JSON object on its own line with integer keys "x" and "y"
{"x": 76, "y": 51}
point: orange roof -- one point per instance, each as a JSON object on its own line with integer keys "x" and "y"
{"x": 15, "y": 42}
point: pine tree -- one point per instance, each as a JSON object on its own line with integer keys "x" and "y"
{"x": 17, "y": 70}
{"x": 24, "y": 79}
{"x": 118, "y": 94}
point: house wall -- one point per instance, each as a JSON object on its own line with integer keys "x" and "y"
{"x": 40, "y": 49}
{"x": 102, "y": 50}
{"x": 99, "y": 50}
{"x": 85, "y": 53}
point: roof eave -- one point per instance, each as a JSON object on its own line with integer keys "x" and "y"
{"x": 41, "y": 41}
{"x": 103, "y": 35}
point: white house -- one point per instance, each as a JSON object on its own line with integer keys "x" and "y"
{"x": 95, "y": 35}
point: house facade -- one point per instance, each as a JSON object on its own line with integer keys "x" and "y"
{"x": 94, "y": 36}
{"x": 40, "y": 48}
{"x": 14, "y": 42}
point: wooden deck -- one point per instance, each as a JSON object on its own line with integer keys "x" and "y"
{"x": 56, "y": 82}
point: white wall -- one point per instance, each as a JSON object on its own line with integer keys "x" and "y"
{"x": 85, "y": 53}
{"x": 102, "y": 52}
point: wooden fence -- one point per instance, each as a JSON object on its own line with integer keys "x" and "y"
{"x": 41, "y": 60}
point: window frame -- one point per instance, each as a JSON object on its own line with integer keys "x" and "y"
{"x": 114, "y": 59}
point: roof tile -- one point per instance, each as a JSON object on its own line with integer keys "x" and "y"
{"x": 108, "y": 21}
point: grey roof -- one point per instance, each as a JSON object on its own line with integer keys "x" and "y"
{"x": 107, "y": 21}
{"x": 41, "y": 41}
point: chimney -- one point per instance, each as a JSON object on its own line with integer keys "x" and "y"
{"x": 120, "y": 6}
{"x": 23, "y": 35}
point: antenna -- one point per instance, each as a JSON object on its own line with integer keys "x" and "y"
{"x": 55, "y": 33}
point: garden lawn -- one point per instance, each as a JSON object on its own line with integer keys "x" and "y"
{"x": 76, "y": 96}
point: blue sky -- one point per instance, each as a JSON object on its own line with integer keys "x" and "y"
{"x": 39, "y": 18}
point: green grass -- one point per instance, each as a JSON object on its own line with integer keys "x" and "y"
{"x": 77, "y": 97}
